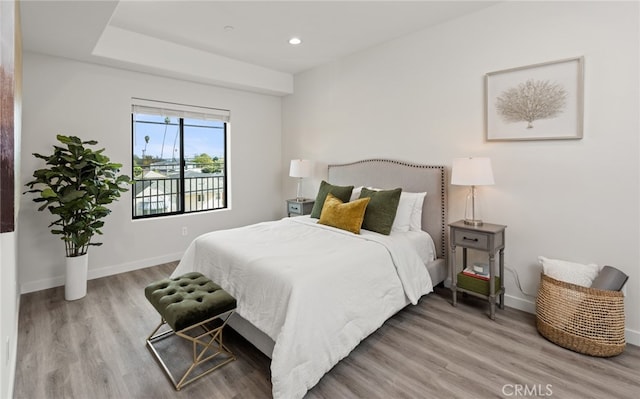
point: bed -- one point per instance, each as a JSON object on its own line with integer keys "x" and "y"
{"x": 309, "y": 293}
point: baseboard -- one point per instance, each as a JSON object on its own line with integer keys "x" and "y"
{"x": 520, "y": 303}
{"x": 127, "y": 267}
{"x": 57, "y": 281}
{"x": 632, "y": 336}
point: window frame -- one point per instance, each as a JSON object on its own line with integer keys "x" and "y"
{"x": 181, "y": 195}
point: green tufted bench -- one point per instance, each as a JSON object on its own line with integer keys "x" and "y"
{"x": 196, "y": 309}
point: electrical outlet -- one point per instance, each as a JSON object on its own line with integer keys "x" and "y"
{"x": 184, "y": 231}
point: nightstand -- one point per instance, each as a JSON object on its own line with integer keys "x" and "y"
{"x": 299, "y": 208}
{"x": 488, "y": 238}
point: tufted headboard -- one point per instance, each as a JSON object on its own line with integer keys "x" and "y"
{"x": 388, "y": 174}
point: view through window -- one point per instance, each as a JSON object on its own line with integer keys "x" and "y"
{"x": 179, "y": 159}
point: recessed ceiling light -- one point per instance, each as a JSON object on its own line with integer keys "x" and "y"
{"x": 228, "y": 28}
{"x": 295, "y": 41}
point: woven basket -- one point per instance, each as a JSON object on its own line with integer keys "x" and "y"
{"x": 585, "y": 320}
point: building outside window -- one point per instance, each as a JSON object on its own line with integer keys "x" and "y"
{"x": 179, "y": 158}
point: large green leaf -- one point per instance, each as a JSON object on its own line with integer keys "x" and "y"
{"x": 71, "y": 194}
{"x": 48, "y": 193}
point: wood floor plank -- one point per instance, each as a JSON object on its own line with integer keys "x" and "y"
{"x": 95, "y": 348}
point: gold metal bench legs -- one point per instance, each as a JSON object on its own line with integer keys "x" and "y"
{"x": 210, "y": 341}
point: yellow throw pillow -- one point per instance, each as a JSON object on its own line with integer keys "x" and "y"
{"x": 346, "y": 216}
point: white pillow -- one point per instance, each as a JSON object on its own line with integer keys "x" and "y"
{"x": 409, "y": 214}
{"x": 569, "y": 272}
{"x": 355, "y": 193}
{"x": 402, "y": 222}
{"x": 416, "y": 212}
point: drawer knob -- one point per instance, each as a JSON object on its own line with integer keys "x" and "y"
{"x": 469, "y": 239}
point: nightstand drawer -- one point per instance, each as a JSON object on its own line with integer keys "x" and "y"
{"x": 299, "y": 208}
{"x": 471, "y": 239}
{"x": 295, "y": 207}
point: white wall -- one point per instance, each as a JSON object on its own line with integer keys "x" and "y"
{"x": 420, "y": 98}
{"x": 94, "y": 102}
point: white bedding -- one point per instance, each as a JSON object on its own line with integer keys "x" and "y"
{"x": 315, "y": 290}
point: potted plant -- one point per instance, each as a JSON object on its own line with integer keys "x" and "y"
{"x": 75, "y": 187}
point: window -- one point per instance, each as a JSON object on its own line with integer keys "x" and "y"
{"x": 179, "y": 158}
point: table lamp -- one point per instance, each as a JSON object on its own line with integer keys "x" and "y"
{"x": 300, "y": 168}
{"x": 472, "y": 172}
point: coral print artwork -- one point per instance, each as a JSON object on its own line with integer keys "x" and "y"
{"x": 538, "y": 102}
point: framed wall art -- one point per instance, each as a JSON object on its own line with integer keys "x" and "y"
{"x": 536, "y": 102}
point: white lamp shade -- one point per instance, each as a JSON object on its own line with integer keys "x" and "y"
{"x": 300, "y": 168}
{"x": 472, "y": 172}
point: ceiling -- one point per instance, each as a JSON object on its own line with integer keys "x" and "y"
{"x": 224, "y": 38}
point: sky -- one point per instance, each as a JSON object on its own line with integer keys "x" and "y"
{"x": 208, "y": 139}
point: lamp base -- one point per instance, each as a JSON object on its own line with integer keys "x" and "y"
{"x": 473, "y": 222}
{"x": 299, "y": 197}
{"x": 471, "y": 213}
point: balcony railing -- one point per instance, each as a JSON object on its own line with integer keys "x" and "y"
{"x": 162, "y": 195}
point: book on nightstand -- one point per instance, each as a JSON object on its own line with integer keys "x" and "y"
{"x": 479, "y": 270}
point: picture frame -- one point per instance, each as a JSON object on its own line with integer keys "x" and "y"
{"x": 536, "y": 102}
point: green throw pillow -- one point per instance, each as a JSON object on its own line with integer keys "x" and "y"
{"x": 340, "y": 192}
{"x": 381, "y": 210}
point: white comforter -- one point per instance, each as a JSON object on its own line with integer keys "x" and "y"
{"x": 315, "y": 290}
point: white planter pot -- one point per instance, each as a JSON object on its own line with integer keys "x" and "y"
{"x": 75, "y": 286}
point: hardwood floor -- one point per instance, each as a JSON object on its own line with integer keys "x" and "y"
{"x": 95, "y": 348}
